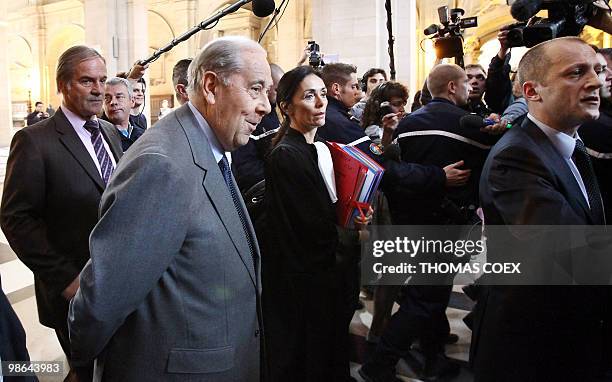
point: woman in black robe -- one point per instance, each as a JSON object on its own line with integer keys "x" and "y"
{"x": 300, "y": 287}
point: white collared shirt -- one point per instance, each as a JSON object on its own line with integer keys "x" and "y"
{"x": 85, "y": 136}
{"x": 215, "y": 146}
{"x": 565, "y": 145}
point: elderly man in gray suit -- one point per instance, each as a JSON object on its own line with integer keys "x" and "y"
{"x": 171, "y": 292}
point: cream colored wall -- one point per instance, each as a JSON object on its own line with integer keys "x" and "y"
{"x": 38, "y": 31}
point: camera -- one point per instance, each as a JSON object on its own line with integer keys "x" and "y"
{"x": 314, "y": 56}
{"x": 448, "y": 36}
{"x": 384, "y": 109}
{"x": 565, "y": 18}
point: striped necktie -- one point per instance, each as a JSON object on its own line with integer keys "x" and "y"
{"x": 104, "y": 159}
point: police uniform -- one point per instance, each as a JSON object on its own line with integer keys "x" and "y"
{"x": 429, "y": 136}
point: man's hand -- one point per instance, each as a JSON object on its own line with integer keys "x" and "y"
{"x": 71, "y": 289}
{"x": 498, "y": 128}
{"x": 455, "y": 176}
{"x": 304, "y": 56}
{"x": 361, "y": 224}
{"x": 502, "y": 36}
{"x": 137, "y": 71}
{"x": 602, "y": 19}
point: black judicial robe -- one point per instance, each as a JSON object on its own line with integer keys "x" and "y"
{"x": 298, "y": 266}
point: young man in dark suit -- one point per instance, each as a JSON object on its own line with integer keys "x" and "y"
{"x": 540, "y": 174}
{"x": 56, "y": 172}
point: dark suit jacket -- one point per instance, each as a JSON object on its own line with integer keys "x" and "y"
{"x": 175, "y": 297}
{"x": 420, "y": 138}
{"x": 12, "y": 337}
{"x": 534, "y": 333}
{"x": 50, "y": 205}
{"x": 127, "y": 142}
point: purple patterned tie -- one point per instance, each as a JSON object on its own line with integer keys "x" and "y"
{"x": 104, "y": 159}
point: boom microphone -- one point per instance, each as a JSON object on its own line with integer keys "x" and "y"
{"x": 523, "y": 10}
{"x": 263, "y": 8}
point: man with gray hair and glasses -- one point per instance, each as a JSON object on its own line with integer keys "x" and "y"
{"x": 56, "y": 172}
{"x": 176, "y": 297}
{"x": 118, "y": 101}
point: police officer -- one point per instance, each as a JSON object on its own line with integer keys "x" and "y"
{"x": 432, "y": 136}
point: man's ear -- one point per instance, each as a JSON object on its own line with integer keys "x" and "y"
{"x": 335, "y": 89}
{"x": 180, "y": 88}
{"x": 210, "y": 84}
{"x": 531, "y": 91}
{"x": 132, "y": 102}
{"x": 60, "y": 86}
{"x": 451, "y": 87}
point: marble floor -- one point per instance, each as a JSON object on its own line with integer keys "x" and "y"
{"x": 17, "y": 283}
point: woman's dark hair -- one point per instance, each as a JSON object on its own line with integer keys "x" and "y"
{"x": 287, "y": 86}
{"x": 382, "y": 93}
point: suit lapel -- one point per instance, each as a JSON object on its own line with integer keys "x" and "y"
{"x": 72, "y": 142}
{"x": 111, "y": 136}
{"x": 216, "y": 189}
{"x": 565, "y": 174}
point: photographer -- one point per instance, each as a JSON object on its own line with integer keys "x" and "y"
{"x": 37, "y": 115}
{"x": 499, "y": 87}
{"x": 385, "y": 102}
{"x": 371, "y": 79}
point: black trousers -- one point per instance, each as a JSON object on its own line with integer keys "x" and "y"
{"x": 422, "y": 316}
{"x": 84, "y": 373}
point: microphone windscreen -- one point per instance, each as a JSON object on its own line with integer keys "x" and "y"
{"x": 523, "y": 10}
{"x": 263, "y": 8}
{"x": 472, "y": 121}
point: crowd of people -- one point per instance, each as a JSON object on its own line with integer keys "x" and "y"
{"x": 207, "y": 247}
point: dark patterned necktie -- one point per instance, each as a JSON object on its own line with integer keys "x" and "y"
{"x": 104, "y": 159}
{"x": 583, "y": 163}
{"x": 227, "y": 176}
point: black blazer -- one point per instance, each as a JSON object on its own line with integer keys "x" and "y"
{"x": 534, "y": 333}
{"x": 50, "y": 205}
{"x": 12, "y": 337}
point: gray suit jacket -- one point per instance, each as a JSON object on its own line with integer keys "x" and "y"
{"x": 170, "y": 293}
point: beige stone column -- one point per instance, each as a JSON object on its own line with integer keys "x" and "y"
{"x": 292, "y": 36}
{"x": 137, "y": 42}
{"x": 6, "y": 117}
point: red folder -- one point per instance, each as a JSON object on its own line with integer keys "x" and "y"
{"x": 350, "y": 176}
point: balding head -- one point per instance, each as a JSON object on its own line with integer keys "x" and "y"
{"x": 449, "y": 81}
{"x": 560, "y": 81}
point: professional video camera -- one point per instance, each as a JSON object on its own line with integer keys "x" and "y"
{"x": 565, "y": 18}
{"x": 448, "y": 36}
{"x": 315, "y": 59}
